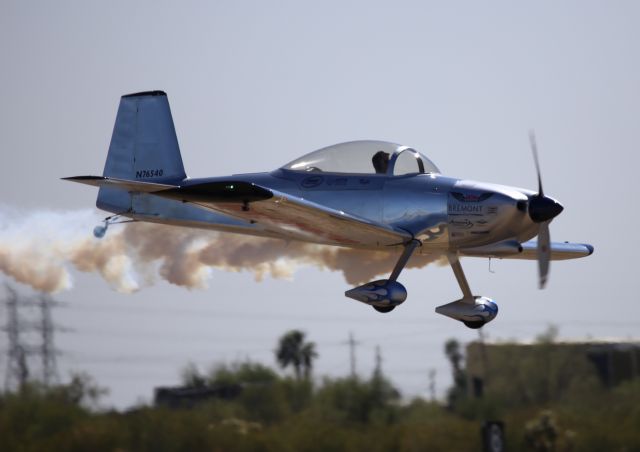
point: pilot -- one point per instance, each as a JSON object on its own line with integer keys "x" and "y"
{"x": 380, "y": 162}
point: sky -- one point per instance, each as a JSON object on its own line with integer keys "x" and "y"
{"x": 253, "y": 85}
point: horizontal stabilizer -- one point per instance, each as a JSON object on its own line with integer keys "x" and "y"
{"x": 129, "y": 185}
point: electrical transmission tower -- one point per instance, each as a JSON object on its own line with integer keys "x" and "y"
{"x": 17, "y": 369}
{"x": 48, "y": 351}
{"x": 20, "y": 334}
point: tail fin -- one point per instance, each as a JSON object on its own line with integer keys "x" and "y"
{"x": 144, "y": 145}
{"x": 144, "y": 148}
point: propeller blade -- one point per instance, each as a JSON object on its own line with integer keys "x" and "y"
{"x": 534, "y": 149}
{"x": 544, "y": 252}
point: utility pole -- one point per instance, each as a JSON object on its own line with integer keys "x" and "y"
{"x": 352, "y": 353}
{"x": 377, "y": 372}
{"x": 432, "y": 384}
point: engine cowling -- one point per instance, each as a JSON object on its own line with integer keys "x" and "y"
{"x": 381, "y": 294}
{"x": 473, "y": 313}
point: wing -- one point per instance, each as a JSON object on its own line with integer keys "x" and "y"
{"x": 559, "y": 251}
{"x": 290, "y": 216}
{"x": 511, "y": 249}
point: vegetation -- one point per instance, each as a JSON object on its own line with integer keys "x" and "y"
{"x": 276, "y": 413}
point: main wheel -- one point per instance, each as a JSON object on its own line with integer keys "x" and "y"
{"x": 384, "y": 309}
{"x": 474, "y": 325}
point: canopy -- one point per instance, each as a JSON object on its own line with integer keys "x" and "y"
{"x": 365, "y": 157}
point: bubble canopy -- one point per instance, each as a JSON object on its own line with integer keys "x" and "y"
{"x": 364, "y": 157}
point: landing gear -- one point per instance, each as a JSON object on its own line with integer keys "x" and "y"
{"x": 100, "y": 230}
{"x": 474, "y": 325}
{"x": 385, "y": 294}
{"x": 384, "y": 309}
{"x": 472, "y": 310}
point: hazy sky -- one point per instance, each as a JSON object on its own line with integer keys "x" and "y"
{"x": 253, "y": 85}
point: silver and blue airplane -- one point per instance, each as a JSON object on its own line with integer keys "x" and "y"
{"x": 372, "y": 195}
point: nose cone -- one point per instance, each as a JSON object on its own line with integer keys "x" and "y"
{"x": 543, "y": 208}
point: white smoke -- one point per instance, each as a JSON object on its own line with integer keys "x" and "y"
{"x": 40, "y": 249}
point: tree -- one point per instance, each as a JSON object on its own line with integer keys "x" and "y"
{"x": 459, "y": 389}
{"x": 452, "y": 350}
{"x": 543, "y": 434}
{"x": 192, "y": 378}
{"x": 294, "y": 351}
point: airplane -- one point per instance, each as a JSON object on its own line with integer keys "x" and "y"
{"x": 368, "y": 194}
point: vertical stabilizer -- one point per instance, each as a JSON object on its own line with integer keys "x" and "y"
{"x": 144, "y": 147}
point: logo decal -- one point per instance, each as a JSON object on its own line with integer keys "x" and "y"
{"x": 461, "y": 197}
{"x": 312, "y": 181}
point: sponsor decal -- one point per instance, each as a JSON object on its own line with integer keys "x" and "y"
{"x": 471, "y": 197}
{"x": 312, "y": 181}
{"x": 464, "y": 208}
{"x": 338, "y": 181}
{"x": 492, "y": 210}
{"x": 461, "y": 224}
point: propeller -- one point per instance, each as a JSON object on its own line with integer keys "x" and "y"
{"x": 542, "y": 210}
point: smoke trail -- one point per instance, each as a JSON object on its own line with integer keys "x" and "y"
{"x": 40, "y": 249}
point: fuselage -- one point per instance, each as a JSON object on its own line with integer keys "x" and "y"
{"x": 444, "y": 213}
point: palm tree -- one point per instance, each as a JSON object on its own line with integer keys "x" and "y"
{"x": 293, "y": 350}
